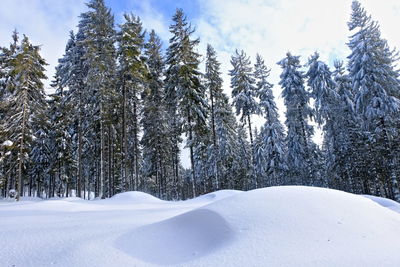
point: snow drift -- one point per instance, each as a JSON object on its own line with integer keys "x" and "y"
{"x": 277, "y": 226}
{"x": 136, "y": 196}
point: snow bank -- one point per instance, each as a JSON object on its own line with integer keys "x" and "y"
{"x": 214, "y": 196}
{"x": 135, "y": 196}
{"x": 384, "y": 202}
{"x": 277, "y": 226}
{"x": 305, "y": 226}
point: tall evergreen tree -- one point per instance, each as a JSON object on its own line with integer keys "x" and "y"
{"x": 340, "y": 169}
{"x": 375, "y": 81}
{"x": 132, "y": 72}
{"x": 98, "y": 27}
{"x": 243, "y": 89}
{"x": 326, "y": 102}
{"x": 244, "y": 93}
{"x": 270, "y": 146}
{"x": 184, "y": 89}
{"x": 155, "y": 141}
{"x": 27, "y": 101}
{"x": 214, "y": 88}
{"x": 301, "y": 149}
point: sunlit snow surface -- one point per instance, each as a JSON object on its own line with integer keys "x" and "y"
{"x": 277, "y": 226}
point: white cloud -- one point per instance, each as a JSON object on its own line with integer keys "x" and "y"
{"x": 45, "y": 22}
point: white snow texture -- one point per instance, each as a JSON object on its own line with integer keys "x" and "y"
{"x": 276, "y": 226}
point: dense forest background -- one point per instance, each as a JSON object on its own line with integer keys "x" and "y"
{"x": 123, "y": 109}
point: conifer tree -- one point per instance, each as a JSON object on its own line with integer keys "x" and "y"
{"x": 340, "y": 168}
{"x": 214, "y": 88}
{"x": 326, "y": 102}
{"x": 132, "y": 71}
{"x": 155, "y": 139}
{"x": 243, "y": 89}
{"x": 244, "y": 94}
{"x": 26, "y": 103}
{"x": 301, "y": 149}
{"x": 98, "y": 28}
{"x": 270, "y": 147}
{"x": 375, "y": 83}
{"x": 184, "y": 89}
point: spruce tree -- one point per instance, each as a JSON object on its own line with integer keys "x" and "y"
{"x": 375, "y": 83}
{"x": 301, "y": 149}
{"x": 132, "y": 72}
{"x": 214, "y": 88}
{"x": 244, "y": 93}
{"x": 26, "y": 103}
{"x": 98, "y": 28}
{"x": 185, "y": 93}
{"x": 270, "y": 146}
{"x": 155, "y": 141}
{"x": 326, "y": 102}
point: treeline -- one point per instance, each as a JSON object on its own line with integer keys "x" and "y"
{"x": 123, "y": 109}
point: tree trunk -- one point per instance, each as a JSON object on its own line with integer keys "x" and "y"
{"x": 216, "y": 172}
{"x": 101, "y": 193}
{"x": 19, "y": 186}
{"x": 252, "y": 151}
{"x": 124, "y": 143}
{"x": 136, "y": 145}
{"x": 192, "y": 154}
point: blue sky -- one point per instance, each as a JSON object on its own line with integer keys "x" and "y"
{"x": 269, "y": 27}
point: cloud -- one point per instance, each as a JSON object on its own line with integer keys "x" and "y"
{"x": 45, "y": 22}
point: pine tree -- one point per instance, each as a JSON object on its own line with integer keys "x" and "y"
{"x": 244, "y": 93}
{"x": 242, "y": 165}
{"x": 185, "y": 93}
{"x": 214, "y": 88}
{"x": 243, "y": 89}
{"x": 270, "y": 146}
{"x": 7, "y": 155}
{"x": 98, "y": 28}
{"x": 228, "y": 144}
{"x": 340, "y": 168}
{"x": 155, "y": 139}
{"x": 301, "y": 149}
{"x": 375, "y": 83}
{"x": 132, "y": 71}
{"x": 27, "y": 101}
{"x": 326, "y": 102}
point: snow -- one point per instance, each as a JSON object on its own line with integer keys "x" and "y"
{"x": 276, "y": 226}
{"x": 138, "y": 197}
{"x": 7, "y": 143}
{"x": 384, "y": 202}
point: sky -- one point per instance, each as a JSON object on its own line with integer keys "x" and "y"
{"x": 268, "y": 27}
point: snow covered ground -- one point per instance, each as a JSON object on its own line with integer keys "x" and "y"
{"x": 277, "y": 226}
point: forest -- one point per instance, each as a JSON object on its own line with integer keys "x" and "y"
{"x": 124, "y": 108}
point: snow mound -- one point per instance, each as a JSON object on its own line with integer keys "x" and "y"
{"x": 179, "y": 239}
{"x": 214, "y": 196}
{"x": 135, "y": 196}
{"x": 384, "y": 202}
{"x": 276, "y": 226}
{"x": 306, "y": 226}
